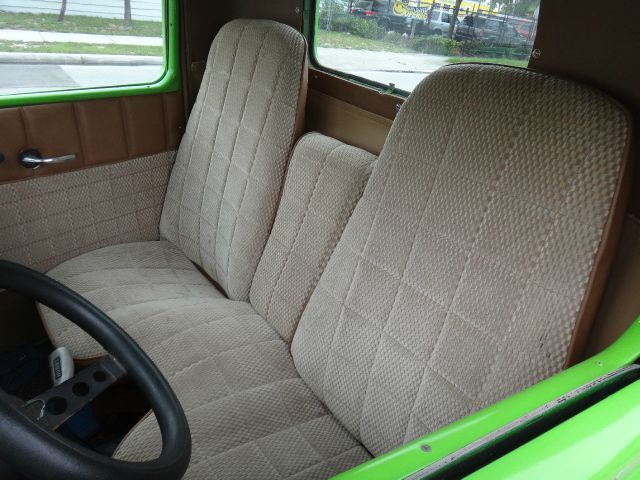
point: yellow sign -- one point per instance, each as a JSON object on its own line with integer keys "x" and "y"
{"x": 420, "y": 8}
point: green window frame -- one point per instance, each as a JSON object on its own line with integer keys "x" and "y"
{"x": 169, "y": 81}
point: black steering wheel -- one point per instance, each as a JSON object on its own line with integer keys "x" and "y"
{"x": 28, "y": 442}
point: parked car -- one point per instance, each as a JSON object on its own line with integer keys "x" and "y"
{"x": 489, "y": 30}
{"x": 363, "y": 9}
{"x": 379, "y": 10}
{"x": 439, "y": 25}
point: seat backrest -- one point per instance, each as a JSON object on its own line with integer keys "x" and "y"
{"x": 463, "y": 271}
{"x": 224, "y": 188}
{"x": 325, "y": 180}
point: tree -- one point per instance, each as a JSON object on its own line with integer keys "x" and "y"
{"x": 127, "y": 13}
{"x": 329, "y": 8}
{"x": 454, "y": 18}
{"x": 63, "y": 11}
{"x": 524, "y": 8}
{"x": 518, "y": 8}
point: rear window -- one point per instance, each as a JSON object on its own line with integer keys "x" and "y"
{"x": 401, "y": 41}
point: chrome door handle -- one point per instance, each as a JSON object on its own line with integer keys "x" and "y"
{"x": 33, "y": 159}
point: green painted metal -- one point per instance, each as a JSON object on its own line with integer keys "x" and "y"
{"x": 602, "y": 442}
{"x": 169, "y": 81}
{"x": 410, "y": 458}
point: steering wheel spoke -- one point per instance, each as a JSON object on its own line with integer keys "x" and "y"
{"x": 55, "y": 406}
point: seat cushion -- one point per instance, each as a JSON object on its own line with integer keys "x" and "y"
{"x": 224, "y": 188}
{"x": 130, "y": 283}
{"x": 462, "y": 274}
{"x": 325, "y": 180}
{"x": 250, "y": 414}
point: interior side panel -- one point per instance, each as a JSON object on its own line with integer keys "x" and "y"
{"x": 346, "y": 122}
{"x": 621, "y": 301}
{"x": 111, "y": 193}
{"x": 47, "y": 220}
{"x": 98, "y": 132}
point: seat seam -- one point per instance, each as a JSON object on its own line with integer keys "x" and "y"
{"x": 253, "y": 161}
{"x": 186, "y": 168}
{"x": 300, "y": 225}
{"x": 237, "y": 130}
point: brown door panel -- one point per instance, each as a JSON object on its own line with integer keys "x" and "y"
{"x": 352, "y": 113}
{"x": 97, "y": 131}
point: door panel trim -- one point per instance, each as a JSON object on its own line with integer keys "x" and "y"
{"x": 97, "y": 131}
{"x": 47, "y": 220}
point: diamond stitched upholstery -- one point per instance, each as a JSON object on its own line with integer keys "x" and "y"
{"x": 136, "y": 281}
{"x": 224, "y": 189}
{"x": 222, "y": 192}
{"x": 459, "y": 276}
{"x": 46, "y": 220}
{"x": 324, "y": 182}
{"x": 250, "y": 414}
{"x": 130, "y": 283}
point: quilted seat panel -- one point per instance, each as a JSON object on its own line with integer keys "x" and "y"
{"x": 324, "y": 182}
{"x": 225, "y": 186}
{"x": 460, "y": 275}
{"x": 46, "y": 220}
{"x": 130, "y": 283}
{"x": 250, "y": 414}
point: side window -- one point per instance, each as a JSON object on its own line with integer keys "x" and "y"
{"x": 54, "y": 47}
{"x": 400, "y": 42}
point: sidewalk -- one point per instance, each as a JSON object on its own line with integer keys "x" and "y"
{"x": 56, "y": 37}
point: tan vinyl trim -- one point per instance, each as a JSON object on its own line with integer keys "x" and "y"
{"x": 361, "y": 96}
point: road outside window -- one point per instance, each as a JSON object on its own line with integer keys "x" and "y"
{"x": 399, "y": 42}
{"x": 54, "y": 45}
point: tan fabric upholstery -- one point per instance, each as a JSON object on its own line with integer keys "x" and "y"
{"x": 458, "y": 279}
{"x": 222, "y": 194}
{"x": 225, "y": 186}
{"x": 325, "y": 180}
{"x": 131, "y": 283}
{"x": 48, "y": 219}
{"x": 250, "y": 414}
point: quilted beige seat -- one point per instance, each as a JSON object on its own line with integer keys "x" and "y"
{"x": 135, "y": 284}
{"x": 460, "y": 278}
{"x": 250, "y": 414}
{"x": 223, "y": 190}
{"x": 233, "y": 364}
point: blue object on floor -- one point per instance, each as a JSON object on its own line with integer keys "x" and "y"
{"x": 18, "y": 368}
{"x": 82, "y": 425}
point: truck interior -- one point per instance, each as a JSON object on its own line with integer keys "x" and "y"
{"x": 270, "y": 266}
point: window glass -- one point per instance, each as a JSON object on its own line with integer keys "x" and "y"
{"x": 57, "y": 45}
{"x": 399, "y": 42}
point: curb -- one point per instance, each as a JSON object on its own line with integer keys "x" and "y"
{"x": 76, "y": 59}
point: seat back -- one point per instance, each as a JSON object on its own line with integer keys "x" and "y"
{"x": 325, "y": 180}
{"x": 224, "y": 188}
{"x": 462, "y": 274}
